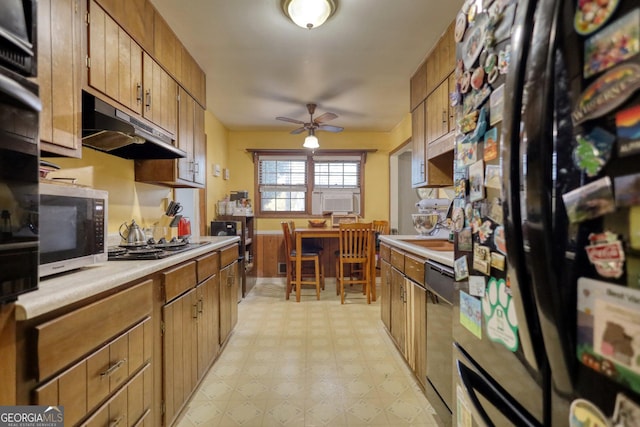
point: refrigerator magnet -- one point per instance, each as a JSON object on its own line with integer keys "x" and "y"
{"x": 497, "y": 261}
{"x": 465, "y": 81}
{"x": 503, "y": 29}
{"x": 457, "y": 219}
{"x": 495, "y": 211}
{"x": 496, "y": 103}
{"x": 477, "y": 78}
{"x": 468, "y": 122}
{"x": 627, "y": 190}
{"x": 614, "y": 44}
{"x": 461, "y": 268}
{"x": 467, "y": 153}
{"x": 460, "y": 28}
{"x": 473, "y": 42}
{"x": 593, "y": 14}
{"x": 477, "y": 285}
{"x": 607, "y": 92}
{"x": 593, "y": 151}
{"x": 471, "y": 314}
{"x": 628, "y": 131}
{"x": 584, "y": 413}
{"x": 504, "y": 58}
{"x": 482, "y": 259}
{"x": 606, "y": 253}
{"x": 476, "y": 181}
{"x": 465, "y": 242}
{"x": 499, "y": 312}
{"x": 626, "y": 412}
{"x": 490, "y": 151}
{"x": 492, "y": 177}
{"x": 481, "y": 126}
{"x": 484, "y": 231}
{"x": 590, "y": 201}
{"x": 499, "y": 240}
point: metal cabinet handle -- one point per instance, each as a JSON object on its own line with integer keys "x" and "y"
{"x": 148, "y": 100}
{"x": 113, "y": 368}
{"x": 138, "y": 93}
{"x": 196, "y": 167}
{"x": 195, "y": 311}
{"x": 200, "y": 305}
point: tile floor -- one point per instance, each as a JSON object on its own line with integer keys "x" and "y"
{"x": 313, "y": 363}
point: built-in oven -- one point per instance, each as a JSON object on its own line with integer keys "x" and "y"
{"x": 439, "y": 282}
{"x": 19, "y": 150}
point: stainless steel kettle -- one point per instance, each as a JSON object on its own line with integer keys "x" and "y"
{"x": 132, "y": 234}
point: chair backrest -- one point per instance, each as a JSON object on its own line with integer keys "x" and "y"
{"x": 381, "y": 226}
{"x": 355, "y": 239}
{"x": 287, "y": 238}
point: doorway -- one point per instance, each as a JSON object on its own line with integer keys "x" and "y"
{"x": 403, "y": 197}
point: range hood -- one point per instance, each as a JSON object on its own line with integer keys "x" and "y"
{"x": 106, "y": 128}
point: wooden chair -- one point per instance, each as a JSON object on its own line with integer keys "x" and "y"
{"x": 355, "y": 250}
{"x": 308, "y": 246}
{"x": 306, "y": 257}
{"x": 379, "y": 227}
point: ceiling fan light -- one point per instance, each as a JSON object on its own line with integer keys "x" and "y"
{"x": 311, "y": 141}
{"x": 309, "y": 13}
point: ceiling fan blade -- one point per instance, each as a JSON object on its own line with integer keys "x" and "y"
{"x": 299, "y": 130}
{"x": 287, "y": 119}
{"x": 330, "y": 128}
{"x": 325, "y": 117}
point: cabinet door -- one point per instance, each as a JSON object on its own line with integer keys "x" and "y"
{"x": 452, "y": 110}
{"x": 208, "y": 322}
{"x": 398, "y": 308}
{"x": 385, "y": 293}
{"x": 418, "y": 156}
{"x": 185, "y": 135}
{"x": 438, "y": 112}
{"x": 179, "y": 343}
{"x": 130, "y": 72}
{"x": 161, "y": 95}
{"x": 199, "y": 145}
{"x": 418, "y": 85}
{"x": 58, "y": 76}
{"x": 228, "y": 300}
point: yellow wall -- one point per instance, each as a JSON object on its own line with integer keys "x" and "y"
{"x": 127, "y": 199}
{"x": 376, "y": 172}
{"x": 217, "y": 154}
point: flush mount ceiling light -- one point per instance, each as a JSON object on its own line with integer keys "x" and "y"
{"x": 311, "y": 141}
{"x": 309, "y": 13}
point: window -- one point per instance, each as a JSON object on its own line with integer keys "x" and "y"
{"x": 294, "y": 184}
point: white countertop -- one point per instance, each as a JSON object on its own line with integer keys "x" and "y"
{"x": 400, "y": 241}
{"x": 58, "y": 291}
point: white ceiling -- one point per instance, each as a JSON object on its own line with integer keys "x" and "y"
{"x": 259, "y": 65}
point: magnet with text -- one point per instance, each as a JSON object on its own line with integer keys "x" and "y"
{"x": 590, "y": 201}
{"x": 465, "y": 241}
{"x": 614, "y": 44}
{"x": 461, "y": 268}
{"x": 477, "y": 286}
{"x": 476, "y": 181}
{"x": 628, "y": 131}
{"x": 627, "y": 190}
{"x": 471, "y": 314}
{"x": 490, "y": 151}
{"x": 607, "y": 92}
{"x": 495, "y": 212}
{"x": 492, "y": 177}
{"x": 593, "y": 14}
{"x": 501, "y": 321}
{"x": 482, "y": 259}
{"x": 593, "y": 151}
{"x": 606, "y": 253}
{"x": 497, "y": 261}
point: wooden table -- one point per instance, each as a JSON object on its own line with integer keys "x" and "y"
{"x": 326, "y": 233}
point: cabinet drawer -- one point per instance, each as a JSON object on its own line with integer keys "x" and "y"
{"x": 130, "y": 406}
{"x": 88, "y": 383}
{"x": 207, "y": 266}
{"x": 385, "y": 252}
{"x": 67, "y": 338}
{"x": 397, "y": 259}
{"x": 178, "y": 280}
{"x": 228, "y": 255}
{"x": 414, "y": 269}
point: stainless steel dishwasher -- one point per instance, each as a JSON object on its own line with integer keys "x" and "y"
{"x": 439, "y": 281}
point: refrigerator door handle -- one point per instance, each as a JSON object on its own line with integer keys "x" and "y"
{"x": 473, "y": 383}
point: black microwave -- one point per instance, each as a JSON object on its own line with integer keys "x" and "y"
{"x": 72, "y": 228}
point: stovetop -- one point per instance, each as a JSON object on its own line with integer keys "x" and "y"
{"x": 152, "y": 250}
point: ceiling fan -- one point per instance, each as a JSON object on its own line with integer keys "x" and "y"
{"x": 313, "y": 124}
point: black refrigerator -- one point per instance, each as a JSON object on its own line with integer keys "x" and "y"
{"x": 546, "y": 215}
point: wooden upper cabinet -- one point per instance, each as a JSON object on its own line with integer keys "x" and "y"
{"x": 59, "y": 77}
{"x": 419, "y": 86}
{"x": 441, "y": 60}
{"x": 165, "y": 44}
{"x": 438, "y": 112}
{"x": 135, "y": 16}
{"x": 160, "y": 95}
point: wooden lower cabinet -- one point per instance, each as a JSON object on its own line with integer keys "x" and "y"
{"x": 398, "y": 309}
{"x": 417, "y": 330}
{"x": 228, "y": 299}
{"x": 385, "y": 293}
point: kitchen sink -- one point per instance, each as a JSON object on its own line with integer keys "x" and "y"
{"x": 433, "y": 244}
